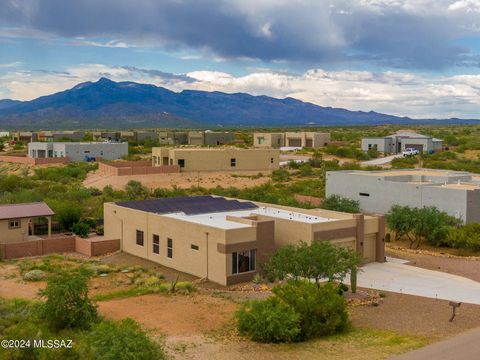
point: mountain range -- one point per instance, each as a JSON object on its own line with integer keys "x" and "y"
{"x": 109, "y": 104}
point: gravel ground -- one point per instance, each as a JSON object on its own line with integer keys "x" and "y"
{"x": 416, "y": 315}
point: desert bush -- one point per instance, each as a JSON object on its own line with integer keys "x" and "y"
{"x": 122, "y": 340}
{"x": 322, "y": 310}
{"x": 135, "y": 190}
{"x": 81, "y": 229}
{"x": 339, "y": 203}
{"x": 34, "y": 275}
{"x": 280, "y": 175}
{"x": 464, "y": 237}
{"x": 67, "y": 304}
{"x": 67, "y": 215}
{"x": 268, "y": 320}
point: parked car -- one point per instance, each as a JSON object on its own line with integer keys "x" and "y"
{"x": 410, "y": 152}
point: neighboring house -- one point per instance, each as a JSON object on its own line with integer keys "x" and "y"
{"x": 291, "y": 139}
{"x": 173, "y": 138}
{"x": 217, "y": 159}
{"x": 227, "y": 240}
{"x": 268, "y": 140}
{"x": 107, "y": 135}
{"x": 53, "y": 136}
{"x": 26, "y": 136}
{"x": 455, "y": 192}
{"x": 138, "y": 136}
{"x": 78, "y": 151}
{"x": 4, "y": 133}
{"x": 210, "y": 138}
{"x": 16, "y": 221}
{"x": 402, "y": 140}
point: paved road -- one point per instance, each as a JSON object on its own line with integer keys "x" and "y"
{"x": 465, "y": 346}
{"x": 396, "y": 276}
{"x": 380, "y": 161}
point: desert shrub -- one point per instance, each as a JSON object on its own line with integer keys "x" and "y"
{"x": 67, "y": 304}
{"x": 305, "y": 169}
{"x": 81, "y": 229}
{"x": 268, "y": 321}
{"x": 67, "y": 215}
{"x": 185, "y": 287}
{"x": 339, "y": 203}
{"x": 99, "y": 230}
{"x": 464, "y": 237}
{"x": 404, "y": 162}
{"x": 322, "y": 310}
{"x": 280, "y": 175}
{"x": 124, "y": 340}
{"x": 34, "y": 275}
{"x": 135, "y": 190}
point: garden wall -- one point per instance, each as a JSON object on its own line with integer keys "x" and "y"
{"x": 122, "y": 168}
{"x": 91, "y": 247}
{"x": 34, "y": 161}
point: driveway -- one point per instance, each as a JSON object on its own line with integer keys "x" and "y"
{"x": 461, "y": 347}
{"x": 380, "y": 161}
{"x": 396, "y": 276}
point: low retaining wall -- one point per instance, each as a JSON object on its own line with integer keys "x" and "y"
{"x": 312, "y": 200}
{"x": 122, "y": 168}
{"x": 34, "y": 161}
{"x": 91, "y": 247}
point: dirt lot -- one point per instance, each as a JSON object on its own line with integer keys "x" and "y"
{"x": 182, "y": 180}
{"x": 468, "y": 267}
{"x": 201, "y": 325}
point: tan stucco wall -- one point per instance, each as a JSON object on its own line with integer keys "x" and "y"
{"x": 218, "y": 159}
{"x": 271, "y": 140}
{"x": 11, "y": 235}
{"x": 122, "y": 223}
{"x": 317, "y": 139}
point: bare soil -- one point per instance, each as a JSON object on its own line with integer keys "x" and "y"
{"x": 174, "y": 314}
{"x": 181, "y": 180}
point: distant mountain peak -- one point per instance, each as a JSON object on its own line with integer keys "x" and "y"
{"x": 109, "y": 104}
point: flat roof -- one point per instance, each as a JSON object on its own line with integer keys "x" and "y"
{"x": 461, "y": 186}
{"x": 18, "y": 211}
{"x": 219, "y": 219}
{"x": 419, "y": 171}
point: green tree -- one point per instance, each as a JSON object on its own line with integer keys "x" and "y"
{"x": 81, "y": 229}
{"x": 339, "y": 203}
{"x": 320, "y": 260}
{"x": 68, "y": 215}
{"x": 124, "y": 340}
{"x": 67, "y": 304}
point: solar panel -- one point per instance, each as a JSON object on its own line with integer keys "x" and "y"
{"x": 193, "y": 205}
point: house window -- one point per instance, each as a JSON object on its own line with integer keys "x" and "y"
{"x": 13, "y": 224}
{"x": 194, "y": 247}
{"x": 101, "y": 152}
{"x": 271, "y": 160}
{"x": 261, "y": 140}
{"x": 156, "y": 244}
{"x": 369, "y": 146}
{"x": 243, "y": 261}
{"x": 233, "y": 162}
{"x": 139, "y": 240}
{"x": 169, "y": 248}
{"x": 86, "y": 152}
{"x": 363, "y": 194}
{"x": 181, "y": 163}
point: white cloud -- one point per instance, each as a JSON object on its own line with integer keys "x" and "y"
{"x": 397, "y": 93}
{"x": 10, "y": 65}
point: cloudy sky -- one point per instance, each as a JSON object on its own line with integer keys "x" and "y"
{"x": 418, "y": 58}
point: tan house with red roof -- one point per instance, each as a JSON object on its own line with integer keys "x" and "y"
{"x": 16, "y": 221}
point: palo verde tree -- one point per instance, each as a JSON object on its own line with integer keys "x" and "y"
{"x": 317, "y": 261}
{"x": 417, "y": 224}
